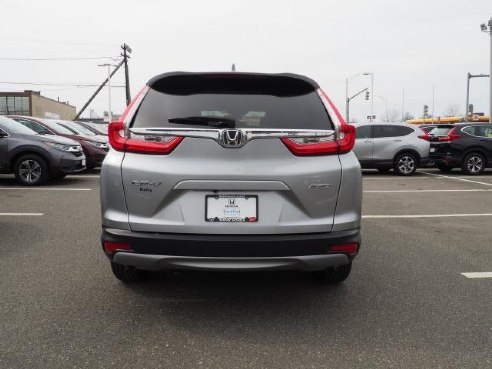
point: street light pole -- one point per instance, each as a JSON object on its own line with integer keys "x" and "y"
{"x": 110, "y": 114}
{"x": 347, "y": 102}
{"x": 488, "y": 30}
{"x": 433, "y": 100}
{"x": 385, "y": 105}
{"x": 468, "y": 77}
{"x": 347, "y": 98}
{"x": 372, "y": 96}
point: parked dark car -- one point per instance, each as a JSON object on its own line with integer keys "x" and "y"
{"x": 35, "y": 158}
{"x": 467, "y": 146}
{"x": 95, "y": 146}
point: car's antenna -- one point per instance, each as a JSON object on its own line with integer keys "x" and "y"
{"x": 233, "y": 68}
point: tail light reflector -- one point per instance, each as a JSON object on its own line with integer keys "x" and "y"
{"x": 111, "y": 247}
{"x": 425, "y": 137}
{"x": 348, "y": 248}
{"x": 142, "y": 145}
{"x": 306, "y": 146}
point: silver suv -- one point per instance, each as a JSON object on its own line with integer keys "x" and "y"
{"x": 231, "y": 171}
{"x": 398, "y": 146}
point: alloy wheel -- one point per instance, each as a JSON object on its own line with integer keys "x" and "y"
{"x": 406, "y": 164}
{"x": 474, "y": 164}
{"x": 30, "y": 171}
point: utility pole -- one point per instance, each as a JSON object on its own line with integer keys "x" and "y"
{"x": 126, "y": 51}
{"x": 98, "y": 89}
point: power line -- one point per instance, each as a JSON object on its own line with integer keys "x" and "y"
{"x": 55, "y": 84}
{"x": 61, "y": 58}
{"x": 71, "y": 42}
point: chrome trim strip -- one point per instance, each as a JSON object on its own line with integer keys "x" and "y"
{"x": 251, "y": 133}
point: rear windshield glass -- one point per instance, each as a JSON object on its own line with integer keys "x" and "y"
{"x": 235, "y": 108}
{"x": 440, "y": 131}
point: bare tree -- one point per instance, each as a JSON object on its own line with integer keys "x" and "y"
{"x": 452, "y": 110}
{"x": 407, "y": 116}
{"x": 391, "y": 115}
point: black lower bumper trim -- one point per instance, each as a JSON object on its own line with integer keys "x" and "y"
{"x": 231, "y": 245}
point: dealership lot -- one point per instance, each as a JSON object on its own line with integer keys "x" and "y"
{"x": 406, "y": 304}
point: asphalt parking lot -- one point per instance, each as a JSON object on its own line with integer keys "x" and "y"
{"x": 405, "y": 305}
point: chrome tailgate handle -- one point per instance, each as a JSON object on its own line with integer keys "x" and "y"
{"x": 233, "y": 138}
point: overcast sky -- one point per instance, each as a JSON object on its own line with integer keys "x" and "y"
{"x": 408, "y": 45}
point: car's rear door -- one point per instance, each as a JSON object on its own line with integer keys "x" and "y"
{"x": 389, "y": 139}
{"x": 244, "y": 157}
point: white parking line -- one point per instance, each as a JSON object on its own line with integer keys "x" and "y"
{"x": 84, "y": 176}
{"x": 46, "y": 188}
{"x": 413, "y": 191}
{"x": 425, "y": 216}
{"x": 21, "y": 214}
{"x": 478, "y": 275}
{"x": 396, "y": 177}
{"x": 457, "y": 179}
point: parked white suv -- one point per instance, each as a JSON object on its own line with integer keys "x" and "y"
{"x": 385, "y": 146}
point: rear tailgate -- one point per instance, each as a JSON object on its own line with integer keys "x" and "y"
{"x": 168, "y": 193}
{"x": 263, "y": 146}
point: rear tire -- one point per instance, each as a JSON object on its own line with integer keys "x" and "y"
{"x": 126, "y": 274}
{"x": 444, "y": 168}
{"x": 473, "y": 164}
{"x": 31, "y": 170}
{"x": 333, "y": 275}
{"x": 405, "y": 164}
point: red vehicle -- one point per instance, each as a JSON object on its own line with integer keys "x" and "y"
{"x": 95, "y": 146}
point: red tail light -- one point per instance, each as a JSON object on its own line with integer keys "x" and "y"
{"x": 141, "y": 146}
{"x": 322, "y": 145}
{"x": 425, "y": 137}
{"x": 451, "y": 136}
{"x": 111, "y": 247}
{"x": 348, "y": 248}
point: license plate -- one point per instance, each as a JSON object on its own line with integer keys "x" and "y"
{"x": 83, "y": 162}
{"x": 231, "y": 208}
{"x": 433, "y": 149}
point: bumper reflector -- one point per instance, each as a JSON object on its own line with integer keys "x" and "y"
{"x": 111, "y": 247}
{"x": 348, "y": 248}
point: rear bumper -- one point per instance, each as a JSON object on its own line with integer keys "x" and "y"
{"x": 151, "y": 251}
{"x": 450, "y": 161}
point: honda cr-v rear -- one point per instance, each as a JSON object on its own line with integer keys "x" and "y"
{"x": 231, "y": 171}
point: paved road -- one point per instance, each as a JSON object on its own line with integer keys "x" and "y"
{"x": 406, "y": 305}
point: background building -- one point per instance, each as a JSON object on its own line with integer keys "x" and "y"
{"x": 33, "y": 104}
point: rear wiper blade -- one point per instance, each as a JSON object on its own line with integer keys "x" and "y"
{"x": 218, "y": 122}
